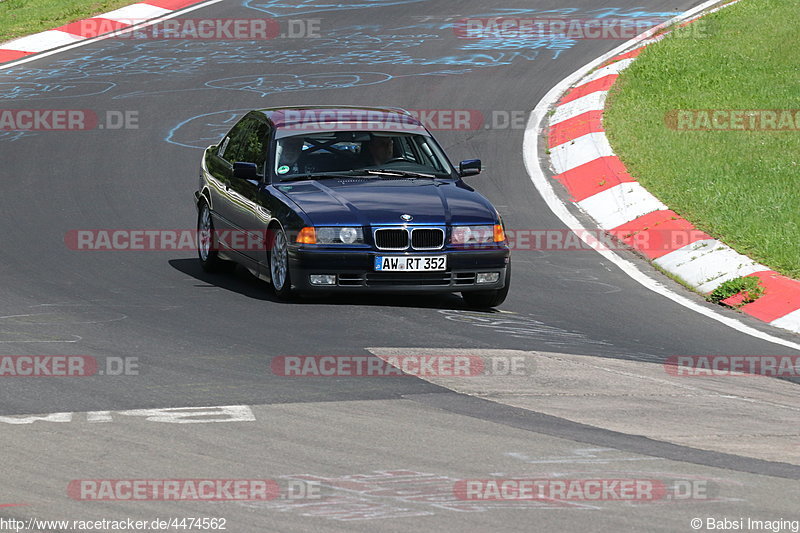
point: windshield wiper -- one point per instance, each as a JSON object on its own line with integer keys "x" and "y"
{"x": 315, "y": 175}
{"x": 361, "y": 173}
{"x": 401, "y": 173}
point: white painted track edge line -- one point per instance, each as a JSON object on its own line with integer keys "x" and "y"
{"x": 46, "y": 53}
{"x": 533, "y": 166}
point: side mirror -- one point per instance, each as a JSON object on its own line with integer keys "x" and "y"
{"x": 245, "y": 171}
{"x": 470, "y": 167}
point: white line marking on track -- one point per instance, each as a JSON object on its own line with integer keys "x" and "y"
{"x": 169, "y": 415}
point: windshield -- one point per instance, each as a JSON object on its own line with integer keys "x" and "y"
{"x": 359, "y": 153}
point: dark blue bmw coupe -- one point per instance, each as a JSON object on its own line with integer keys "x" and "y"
{"x": 331, "y": 199}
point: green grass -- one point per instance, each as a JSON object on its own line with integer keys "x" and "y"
{"x": 749, "y": 286}
{"x": 741, "y": 187}
{"x": 24, "y": 17}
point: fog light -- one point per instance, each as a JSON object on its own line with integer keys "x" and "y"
{"x": 323, "y": 279}
{"x": 488, "y": 277}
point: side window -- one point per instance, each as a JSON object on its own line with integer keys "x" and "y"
{"x": 233, "y": 145}
{"x": 222, "y": 147}
{"x": 255, "y": 145}
{"x": 408, "y": 150}
{"x": 427, "y": 155}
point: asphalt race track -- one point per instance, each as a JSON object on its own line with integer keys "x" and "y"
{"x": 206, "y": 340}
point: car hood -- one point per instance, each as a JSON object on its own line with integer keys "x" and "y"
{"x": 382, "y": 202}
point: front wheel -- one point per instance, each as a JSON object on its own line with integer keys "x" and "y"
{"x": 279, "y": 265}
{"x": 487, "y": 299}
{"x": 206, "y": 246}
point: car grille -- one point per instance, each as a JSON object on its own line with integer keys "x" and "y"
{"x": 398, "y": 238}
{"x": 391, "y": 239}
{"x": 374, "y": 279}
{"x": 427, "y": 238}
{"x": 385, "y": 279}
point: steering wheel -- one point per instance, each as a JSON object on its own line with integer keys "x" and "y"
{"x": 396, "y": 160}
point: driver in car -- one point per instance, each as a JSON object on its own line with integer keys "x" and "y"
{"x": 288, "y": 160}
{"x": 380, "y": 149}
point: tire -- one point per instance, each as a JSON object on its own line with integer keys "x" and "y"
{"x": 488, "y": 299}
{"x": 206, "y": 243}
{"x": 279, "y": 265}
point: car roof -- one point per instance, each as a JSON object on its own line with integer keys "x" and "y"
{"x": 296, "y": 119}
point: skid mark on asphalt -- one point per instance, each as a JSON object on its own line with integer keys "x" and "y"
{"x": 394, "y": 494}
{"x": 575, "y": 279}
{"x": 600, "y": 456}
{"x": 55, "y": 319}
{"x": 22, "y": 337}
{"x": 520, "y": 326}
{"x": 79, "y": 317}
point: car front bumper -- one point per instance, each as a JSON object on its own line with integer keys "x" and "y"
{"x": 355, "y": 271}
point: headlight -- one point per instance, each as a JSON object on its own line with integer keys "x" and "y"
{"x": 336, "y": 235}
{"x": 472, "y": 235}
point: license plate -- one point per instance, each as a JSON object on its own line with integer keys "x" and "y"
{"x": 395, "y": 263}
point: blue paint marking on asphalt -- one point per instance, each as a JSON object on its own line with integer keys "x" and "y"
{"x": 374, "y": 44}
{"x": 41, "y": 91}
{"x": 273, "y": 83}
{"x": 11, "y": 136}
{"x": 354, "y": 45}
{"x": 205, "y": 129}
{"x": 211, "y": 126}
{"x": 362, "y": 45}
{"x": 266, "y": 84}
{"x": 606, "y": 12}
{"x": 280, "y": 8}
